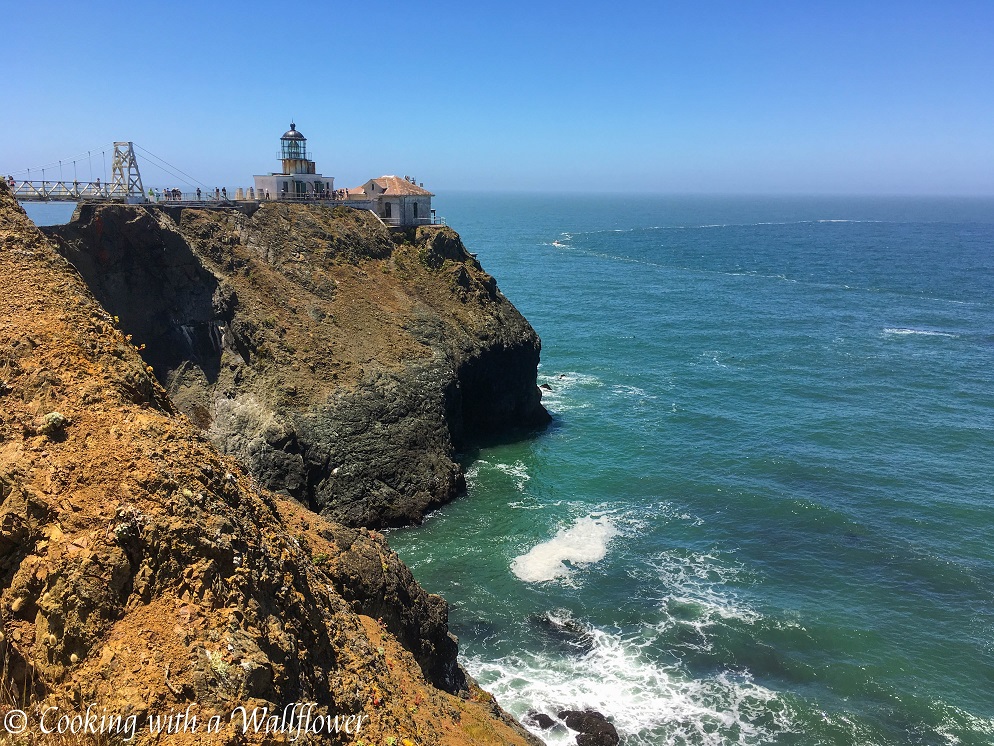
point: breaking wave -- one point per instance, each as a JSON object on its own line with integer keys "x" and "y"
{"x": 560, "y": 391}
{"x": 649, "y": 702}
{"x": 922, "y": 332}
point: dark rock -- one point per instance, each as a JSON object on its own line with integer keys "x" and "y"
{"x": 594, "y": 729}
{"x": 343, "y": 365}
{"x": 539, "y": 719}
{"x": 374, "y": 581}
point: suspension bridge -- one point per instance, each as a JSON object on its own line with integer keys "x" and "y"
{"x": 123, "y": 184}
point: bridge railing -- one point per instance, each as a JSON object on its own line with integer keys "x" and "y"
{"x": 66, "y": 190}
{"x": 92, "y": 190}
{"x": 395, "y": 221}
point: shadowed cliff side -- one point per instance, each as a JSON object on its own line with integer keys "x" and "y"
{"x": 142, "y": 571}
{"x": 344, "y": 364}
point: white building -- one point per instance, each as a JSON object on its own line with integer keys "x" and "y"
{"x": 298, "y": 179}
{"x": 397, "y": 200}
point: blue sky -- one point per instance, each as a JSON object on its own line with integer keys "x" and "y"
{"x": 689, "y": 97}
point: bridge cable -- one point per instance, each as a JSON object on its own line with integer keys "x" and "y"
{"x": 164, "y": 161}
{"x": 162, "y": 164}
{"x": 52, "y": 164}
{"x": 162, "y": 167}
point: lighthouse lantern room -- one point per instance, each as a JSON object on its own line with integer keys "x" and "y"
{"x": 298, "y": 180}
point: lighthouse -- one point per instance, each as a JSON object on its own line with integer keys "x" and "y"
{"x": 299, "y": 179}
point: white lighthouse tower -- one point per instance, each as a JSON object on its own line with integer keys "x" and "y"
{"x": 298, "y": 180}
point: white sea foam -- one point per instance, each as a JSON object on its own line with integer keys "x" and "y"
{"x": 485, "y": 469}
{"x": 563, "y": 389}
{"x": 623, "y": 390}
{"x": 697, "y": 590}
{"x": 583, "y": 543}
{"x": 571, "y": 379}
{"x": 712, "y": 357}
{"x": 517, "y": 471}
{"x": 646, "y": 517}
{"x": 473, "y": 472}
{"x": 650, "y": 697}
{"x": 922, "y": 332}
{"x": 786, "y": 222}
{"x": 955, "y": 719}
{"x": 530, "y": 503}
{"x": 648, "y": 701}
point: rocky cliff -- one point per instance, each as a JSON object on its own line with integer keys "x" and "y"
{"x": 344, "y": 364}
{"x": 144, "y": 573}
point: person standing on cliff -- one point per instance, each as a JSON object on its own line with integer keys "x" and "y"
{"x": 198, "y": 194}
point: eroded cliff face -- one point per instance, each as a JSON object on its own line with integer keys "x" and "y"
{"x": 343, "y": 364}
{"x": 143, "y": 572}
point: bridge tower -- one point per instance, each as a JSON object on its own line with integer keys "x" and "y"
{"x": 126, "y": 181}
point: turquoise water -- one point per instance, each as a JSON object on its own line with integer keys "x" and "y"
{"x": 763, "y": 512}
{"x": 49, "y": 213}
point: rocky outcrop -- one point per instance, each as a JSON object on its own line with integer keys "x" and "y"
{"x": 343, "y": 364}
{"x": 142, "y": 572}
{"x": 593, "y": 729}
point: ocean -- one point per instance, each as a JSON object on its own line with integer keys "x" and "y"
{"x": 763, "y": 511}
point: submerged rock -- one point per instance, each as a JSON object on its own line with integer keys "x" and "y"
{"x": 562, "y": 629}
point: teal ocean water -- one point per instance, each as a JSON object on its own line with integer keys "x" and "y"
{"x": 764, "y": 512}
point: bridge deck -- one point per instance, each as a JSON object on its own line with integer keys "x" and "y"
{"x": 66, "y": 191}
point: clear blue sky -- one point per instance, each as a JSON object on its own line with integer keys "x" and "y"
{"x": 695, "y": 96}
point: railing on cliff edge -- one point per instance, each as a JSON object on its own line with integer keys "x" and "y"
{"x": 79, "y": 191}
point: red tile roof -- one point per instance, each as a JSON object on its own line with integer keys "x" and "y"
{"x": 395, "y": 186}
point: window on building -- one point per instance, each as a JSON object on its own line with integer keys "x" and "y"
{"x": 415, "y": 210}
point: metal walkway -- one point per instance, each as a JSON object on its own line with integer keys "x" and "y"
{"x": 125, "y": 184}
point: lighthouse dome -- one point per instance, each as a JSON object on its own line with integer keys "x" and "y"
{"x": 292, "y": 134}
